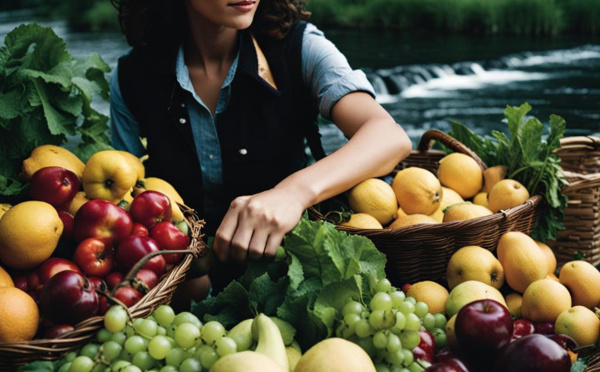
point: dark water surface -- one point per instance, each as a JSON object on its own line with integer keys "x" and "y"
{"x": 425, "y": 81}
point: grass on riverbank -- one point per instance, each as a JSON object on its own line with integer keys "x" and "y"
{"x": 520, "y": 17}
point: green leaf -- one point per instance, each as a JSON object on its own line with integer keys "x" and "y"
{"x": 39, "y": 366}
{"x": 10, "y": 104}
{"x": 530, "y": 140}
{"x": 11, "y": 187}
{"x": 49, "y": 50}
{"x": 578, "y": 366}
{"x": 58, "y": 123}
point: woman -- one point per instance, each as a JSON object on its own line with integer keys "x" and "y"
{"x": 225, "y": 92}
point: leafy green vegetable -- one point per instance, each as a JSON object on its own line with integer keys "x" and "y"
{"x": 323, "y": 268}
{"x": 45, "y": 98}
{"x": 530, "y": 160}
{"x": 579, "y": 365}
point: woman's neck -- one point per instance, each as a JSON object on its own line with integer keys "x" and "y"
{"x": 211, "y": 48}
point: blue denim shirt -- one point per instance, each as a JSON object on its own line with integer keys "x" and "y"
{"x": 324, "y": 67}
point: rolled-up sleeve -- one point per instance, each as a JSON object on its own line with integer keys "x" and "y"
{"x": 328, "y": 72}
{"x": 124, "y": 129}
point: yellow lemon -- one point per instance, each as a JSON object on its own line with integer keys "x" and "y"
{"x": 411, "y": 219}
{"x": 51, "y": 156}
{"x": 417, "y": 190}
{"x": 465, "y": 211}
{"x": 581, "y": 323}
{"x": 481, "y": 199}
{"x": 583, "y": 281}
{"x": 79, "y": 200}
{"x": 522, "y": 259}
{"x": 461, "y": 173}
{"x": 507, "y": 194}
{"x": 513, "y": 302}
{"x": 449, "y": 197}
{"x": 544, "y": 300}
{"x": 29, "y": 233}
{"x": 550, "y": 257}
{"x": 5, "y": 279}
{"x": 362, "y": 221}
{"x": 375, "y": 197}
{"x": 493, "y": 175}
{"x": 474, "y": 263}
{"x": 432, "y": 293}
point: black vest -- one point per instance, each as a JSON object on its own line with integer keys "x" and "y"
{"x": 261, "y": 132}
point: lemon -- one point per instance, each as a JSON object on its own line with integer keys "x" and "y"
{"x": 29, "y": 233}
{"x": 432, "y": 293}
{"x": 544, "y": 300}
{"x": 51, "y": 156}
{"x": 449, "y": 197}
{"x": 374, "y": 197}
{"x": 507, "y": 194}
{"x": 418, "y": 190}
{"x": 465, "y": 211}
{"x": 461, "y": 173}
{"x": 362, "y": 221}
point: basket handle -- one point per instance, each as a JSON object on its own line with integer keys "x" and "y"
{"x": 432, "y": 135}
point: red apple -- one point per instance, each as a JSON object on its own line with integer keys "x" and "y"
{"x": 170, "y": 237}
{"x": 68, "y": 222}
{"x": 97, "y": 283}
{"x": 139, "y": 230}
{"x": 150, "y": 207}
{"x": 128, "y": 295}
{"x": 53, "y": 266}
{"x": 544, "y": 328}
{"x": 567, "y": 343}
{"x": 406, "y": 287}
{"x": 54, "y": 185}
{"x": 447, "y": 366}
{"x": 113, "y": 279}
{"x": 57, "y": 331}
{"x": 102, "y": 305}
{"x": 426, "y": 348}
{"x": 94, "y": 256}
{"x": 68, "y": 298}
{"x": 522, "y": 327}
{"x": 482, "y": 328}
{"x": 533, "y": 353}
{"x": 447, "y": 356}
{"x": 148, "y": 278}
{"x": 133, "y": 249}
{"x": 100, "y": 218}
{"x": 20, "y": 280}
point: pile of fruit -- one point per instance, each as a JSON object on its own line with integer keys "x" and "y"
{"x": 84, "y": 236}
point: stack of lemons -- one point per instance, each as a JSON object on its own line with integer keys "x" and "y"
{"x": 460, "y": 190}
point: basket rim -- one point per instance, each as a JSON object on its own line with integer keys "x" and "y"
{"x": 87, "y": 328}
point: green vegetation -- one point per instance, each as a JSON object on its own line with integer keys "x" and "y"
{"x": 520, "y": 17}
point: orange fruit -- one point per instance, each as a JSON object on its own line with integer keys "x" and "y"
{"x": 5, "y": 279}
{"x": 583, "y": 281}
{"x": 507, "y": 194}
{"x": 29, "y": 233}
{"x": 19, "y": 315}
{"x": 411, "y": 219}
{"x": 544, "y": 300}
{"x": 418, "y": 190}
{"x": 461, "y": 173}
{"x": 362, "y": 221}
{"x": 433, "y": 294}
{"x": 375, "y": 197}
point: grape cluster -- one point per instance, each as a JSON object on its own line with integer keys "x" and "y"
{"x": 161, "y": 342}
{"x": 387, "y": 327}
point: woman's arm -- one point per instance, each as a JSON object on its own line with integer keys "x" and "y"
{"x": 255, "y": 225}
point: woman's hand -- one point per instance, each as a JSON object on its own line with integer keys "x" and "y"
{"x": 255, "y": 225}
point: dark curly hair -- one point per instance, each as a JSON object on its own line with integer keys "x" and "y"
{"x": 145, "y": 22}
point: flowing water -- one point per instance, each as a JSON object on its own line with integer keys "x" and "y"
{"x": 426, "y": 81}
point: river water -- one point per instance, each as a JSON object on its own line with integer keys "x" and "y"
{"x": 426, "y": 81}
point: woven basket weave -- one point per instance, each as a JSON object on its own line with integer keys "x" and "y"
{"x": 580, "y": 159}
{"x": 421, "y": 252}
{"x": 15, "y": 354}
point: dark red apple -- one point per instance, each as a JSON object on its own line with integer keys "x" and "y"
{"x": 68, "y": 298}
{"x": 567, "y": 343}
{"x": 170, "y": 237}
{"x": 139, "y": 230}
{"x": 447, "y": 355}
{"x": 57, "y": 330}
{"x": 150, "y": 207}
{"x": 54, "y": 185}
{"x": 100, "y": 218}
{"x": 102, "y": 305}
{"x": 533, "y": 353}
{"x": 94, "y": 256}
{"x": 97, "y": 283}
{"x": 406, "y": 287}
{"x": 68, "y": 222}
{"x": 426, "y": 348}
{"x": 447, "y": 366}
{"x": 128, "y": 295}
{"x": 113, "y": 279}
{"x": 20, "y": 280}
{"x": 482, "y": 328}
{"x": 544, "y": 328}
{"x": 53, "y": 266}
{"x": 133, "y": 249}
{"x": 522, "y": 327}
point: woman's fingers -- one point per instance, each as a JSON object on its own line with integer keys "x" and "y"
{"x": 227, "y": 229}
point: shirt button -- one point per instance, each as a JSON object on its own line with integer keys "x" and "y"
{"x": 182, "y": 121}
{"x": 211, "y": 156}
{"x": 183, "y": 105}
{"x": 243, "y": 151}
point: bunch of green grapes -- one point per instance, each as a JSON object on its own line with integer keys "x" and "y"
{"x": 387, "y": 327}
{"x": 162, "y": 342}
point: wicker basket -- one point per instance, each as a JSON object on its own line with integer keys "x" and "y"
{"x": 421, "y": 252}
{"x": 580, "y": 159}
{"x": 20, "y": 353}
